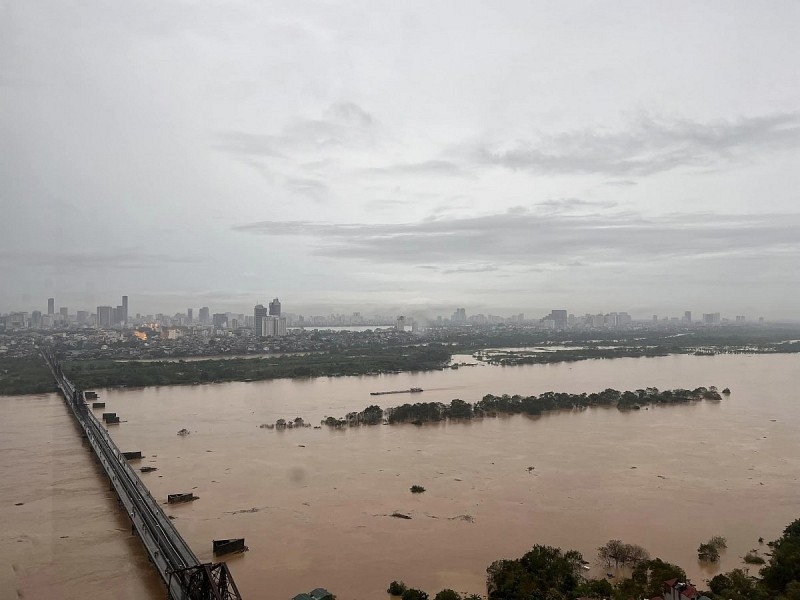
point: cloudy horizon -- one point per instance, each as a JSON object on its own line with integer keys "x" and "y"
{"x": 511, "y": 157}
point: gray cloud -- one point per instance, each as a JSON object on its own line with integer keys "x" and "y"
{"x": 573, "y": 204}
{"x": 313, "y": 188}
{"x": 118, "y": 259}
{"x": 650, "y": 146}
{"x": 342, "y": 125}
{"x": 428, "y": 167}
{"x": 551, "y": 239}
{"x": 478, "y": 269}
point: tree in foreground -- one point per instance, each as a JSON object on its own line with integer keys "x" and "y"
{"x": 414, "y": 594}
{"x": 396, "y": 588}
{"x": 783, "y": 568}
{"x": 650, "y": 576}
{"x": 544, "y": 572}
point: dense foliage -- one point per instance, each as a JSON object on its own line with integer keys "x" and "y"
{"x": 543, "y": 572}
{"x": 107, "y": 373}
{"x": 782, "y": 573}
{"x": 490, "y": 405}
{"x": 27, "y": 375}
{"x": 548, "y": 573}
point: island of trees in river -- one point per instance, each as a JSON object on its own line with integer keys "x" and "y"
{"x": 491, "y": 405}
{"x": 549, "y": 573}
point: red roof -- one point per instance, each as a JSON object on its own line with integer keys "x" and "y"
{"x": 689, "y": 592}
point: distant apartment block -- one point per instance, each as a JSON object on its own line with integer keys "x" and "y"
{"x": 105, "y": 316}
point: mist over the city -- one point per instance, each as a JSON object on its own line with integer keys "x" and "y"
{"x": 401, "y": 158}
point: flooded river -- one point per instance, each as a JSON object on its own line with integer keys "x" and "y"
{"x": 314, "y": 504}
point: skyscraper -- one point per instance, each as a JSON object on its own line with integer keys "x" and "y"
{"x": 123, "y": 317}
{"x": 259, "y": 316}
{"x": 51, "y": 306}
{"x": 105, "y": 316}
{"x": 189, "y": 314}
{"x": 275, "y": 308}
{"x": 63, "y": 313}
{"x": 203, "y": 315}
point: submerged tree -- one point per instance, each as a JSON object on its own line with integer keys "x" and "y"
{"x": 619, "y": 553}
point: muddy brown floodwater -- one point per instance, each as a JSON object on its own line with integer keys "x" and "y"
{"x": 314, "y": 504}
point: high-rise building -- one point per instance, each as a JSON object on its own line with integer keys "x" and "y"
{"x": 272, "y": 326}
{"x": 275, "y": 308}
{"x": 36, "y": 319}
{"x": 105, "y": 316}
{"x": 189, "y": 315}
{"x": 220, "y": 320}
{"x": 82, "y": 317}
{"x": 51, "y": 306}
{"x": 460, "y": 316}
{"x": 259, "y": 315}
{"x": 559, "y": 318}
{"x": 63, "y": 313}
{"x": 123, "y": 316}
{"x": 687, "y": 317}
{"x": 400, "y": 324}
{"x": 203, "y": 315}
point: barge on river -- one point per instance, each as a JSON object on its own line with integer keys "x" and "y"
{"x": 414, "y": 390}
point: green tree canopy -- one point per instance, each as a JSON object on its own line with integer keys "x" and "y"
{"x": 784, "y": 564}
{"x": 543, "y": 572}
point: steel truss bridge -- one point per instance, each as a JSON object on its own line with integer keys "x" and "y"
{"x": 185, "y": 577}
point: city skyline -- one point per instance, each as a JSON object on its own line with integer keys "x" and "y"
{"x": 108, "y": 316}
{"x": 401, "y": 157}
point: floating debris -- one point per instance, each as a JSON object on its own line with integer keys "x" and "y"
{"x": 243, "y": 510}
{"x": 398, "y": 515}
{"x": 229, "y": 546}
{"x": 184, "y": 432}
{"x": 467, "y": 518}
{"x": 182, "y": 497}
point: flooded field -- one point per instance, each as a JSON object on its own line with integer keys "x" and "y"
{"x": 314, "y": 504}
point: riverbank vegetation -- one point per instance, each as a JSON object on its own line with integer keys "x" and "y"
{"x": 101, "y": 374}
{"x": 549, "y": 573}
{"x": 28, "y": 375}
{"x": 314, "y": 354}
{"x": 491, "y": 406}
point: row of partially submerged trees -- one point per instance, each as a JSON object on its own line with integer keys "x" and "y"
{"x": 549, "y": 573}
{"x": 491, "y": 405}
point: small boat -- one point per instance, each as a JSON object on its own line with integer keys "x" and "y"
{"x": 148, "y": 469}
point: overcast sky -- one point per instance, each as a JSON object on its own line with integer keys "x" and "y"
{"x": 401, "y": 156}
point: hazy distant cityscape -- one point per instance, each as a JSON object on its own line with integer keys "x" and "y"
{"x": 272, "y": 321}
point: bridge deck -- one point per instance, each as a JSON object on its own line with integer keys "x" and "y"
{"x": 183, "y": 574}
